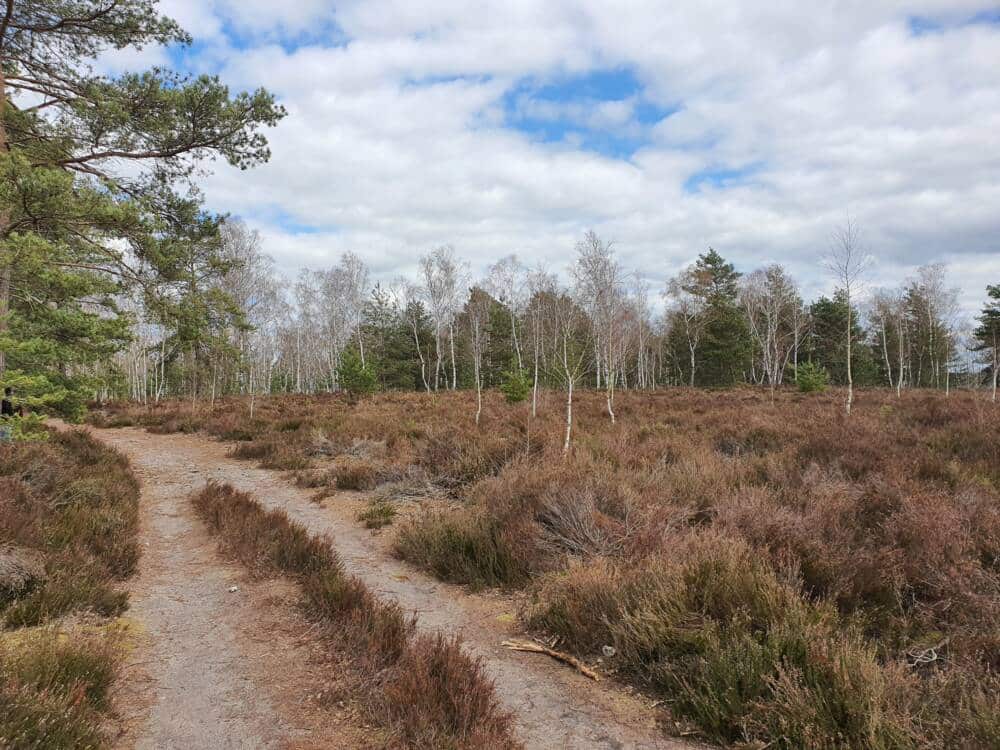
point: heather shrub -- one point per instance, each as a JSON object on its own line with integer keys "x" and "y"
{"x": 70, "y": 506}
{"x": 463, "y": 547}
{"x": 351, "y": 473}
{"x": 885, "y": 526}
{"x": 439, "y": 694}
{"x": 736, "y": 651}
{"x": 379, "y": 513}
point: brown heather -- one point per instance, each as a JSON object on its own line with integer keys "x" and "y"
{"x": 73, "y": 503}
{"x": 779, "y": 572}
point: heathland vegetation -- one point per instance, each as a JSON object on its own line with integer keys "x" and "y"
{"x": 775, "y": 570}
{"x": 68, "y": 516}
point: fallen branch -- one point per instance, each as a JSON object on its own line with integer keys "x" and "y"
{"x": 538, "y": 648}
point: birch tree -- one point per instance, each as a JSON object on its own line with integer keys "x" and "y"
{"x": 543, "y": 290}
{"x": 569, "y": 337}
{"x": 478, "y": 314}
{"x": 600, "y": 284}
{"x": 771, "y": 301}
{"x": 508, "y": 283}
{"x": 691, "y": 313}
{"x": 847, "y": 261}
{"x": 441, "y": 277}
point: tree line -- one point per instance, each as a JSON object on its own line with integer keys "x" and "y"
{"x": 522, "y": 329}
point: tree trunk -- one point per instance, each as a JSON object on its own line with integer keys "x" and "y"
{"x": 996, "y": 366}
{"x": 517, "y": 344}
{"x": 437, "y": 354}
{"x": 534, "y": 386}
{"x": 850, "y": 377}
{"x": 479, "y": 395}
{"x": 454, "y": 368}
{"x": 361, "y": 344}
{"x": 4, "y": 298}
{"x": 885, "y": 354}
{"x": 5, "y": 271}
{"x": 420, "y": 353}
{"x": 569, "y": 412}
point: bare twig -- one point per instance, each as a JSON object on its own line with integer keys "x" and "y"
{"x": 538, "y": 648}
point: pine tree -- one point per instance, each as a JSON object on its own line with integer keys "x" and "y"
{"x": 987, "y": 335}
{"x": 723, "y": 350}
{"x": 826, "y": 345}
{"x": 76, "y": 227}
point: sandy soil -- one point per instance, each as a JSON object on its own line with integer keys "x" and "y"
{"x": 199, "y": 647}
{"x": 214, "y": 668}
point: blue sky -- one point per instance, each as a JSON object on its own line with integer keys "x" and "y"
{"x": 515, "y": 127}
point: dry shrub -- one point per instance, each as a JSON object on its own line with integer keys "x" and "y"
{"x": 456, "y": 705}
{"x": 350, "y": 473}
{"x": 54, "y": 688}
{"x": 379, "y": 513}
{"x": 71, "y": 504}
{"x": 75, "y": 502}
{"x": 440, "y": 697}
{"x": 464, "y": 547}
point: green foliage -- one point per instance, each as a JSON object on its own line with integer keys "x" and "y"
{"x": 735, "y": 650}
{"x": 516, "y": 386}
{"x": 827, "y": 344}
{"x": 812, "y": 378}
{"x": 390, "y": 344}
{"x": 354, "y": 377}
{"x": 722, "y": 348}
{"x": 77, "y": 231}
{"x": 379, "y": 513}
{"x": 987, "y": 333}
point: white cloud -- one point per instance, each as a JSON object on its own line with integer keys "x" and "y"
{"x": 839, "y": 105}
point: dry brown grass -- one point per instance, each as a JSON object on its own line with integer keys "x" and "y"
{"x": 884, "y": 525}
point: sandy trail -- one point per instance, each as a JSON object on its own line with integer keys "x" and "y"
{"x": 214, "y": 668}
{"x": 555, "y": 706}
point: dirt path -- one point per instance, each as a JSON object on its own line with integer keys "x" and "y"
{"x": 555, "y": 706}
{"x": 214, "y": 668}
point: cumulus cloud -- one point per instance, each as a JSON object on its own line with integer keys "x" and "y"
{"x": 764, "y": 124}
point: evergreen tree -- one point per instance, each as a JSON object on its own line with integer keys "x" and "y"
{"x": 355, "y": 378}
{"x": 987, "y": 335}
{"x": 826, "y": 345}
{"x": 723, "y": 349}
{"x": 391, "y": 347}
{"x": 76, "y": 226}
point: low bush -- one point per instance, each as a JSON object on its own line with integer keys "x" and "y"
{"x": 379, "y": 513}
{"x": 69, "y": 510}
{"x": 75, "y": 502}
{"x": 811, "y": 378}
{"x": 734, "y": 649}
{"x": 350, "y": 473}
{"x": 888, "y": 519}
{"x": 462, "y": 547}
